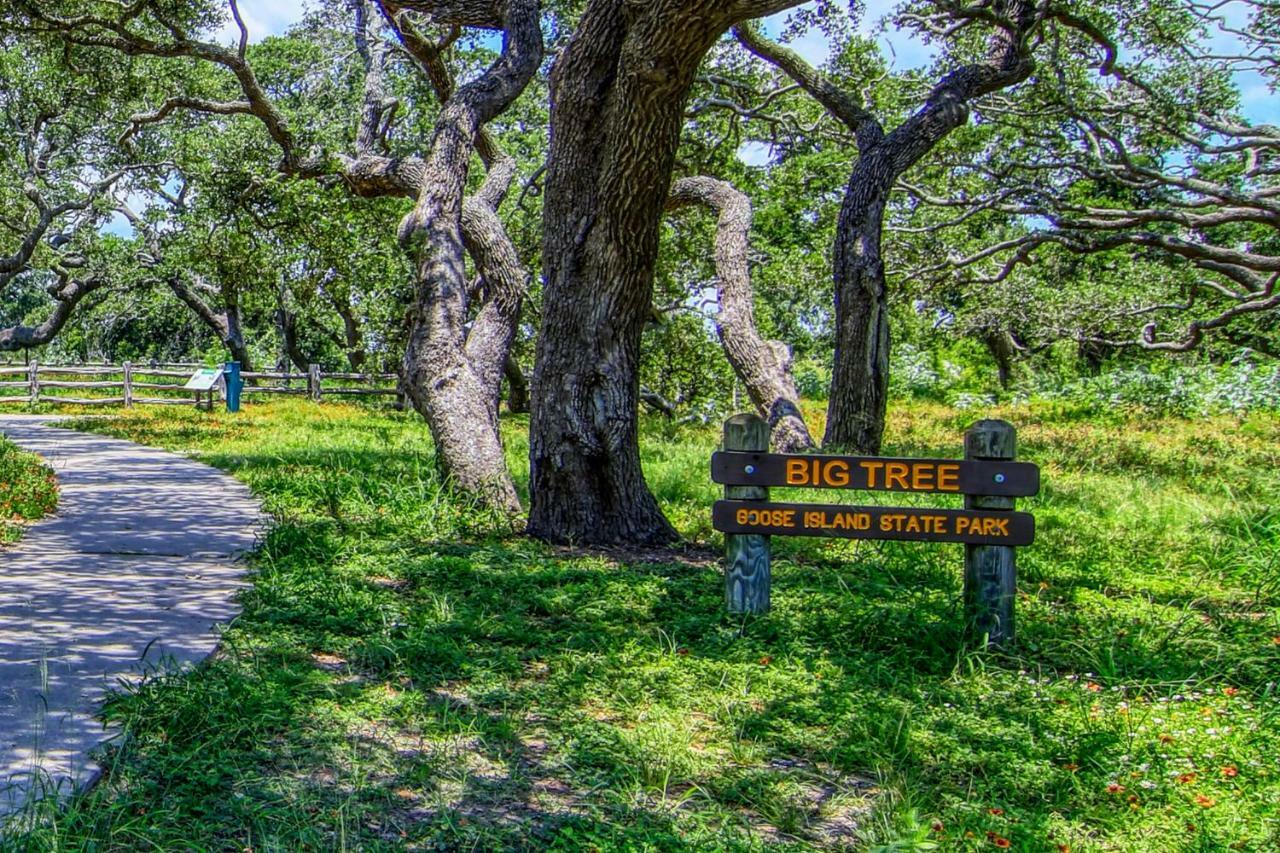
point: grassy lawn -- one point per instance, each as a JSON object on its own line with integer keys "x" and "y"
{"x": 402, "y": 678}
{"x": 28, "y": 490}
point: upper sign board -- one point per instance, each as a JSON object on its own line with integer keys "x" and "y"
{"x": 876, "y": 473}
{"x": 204, "y": 379}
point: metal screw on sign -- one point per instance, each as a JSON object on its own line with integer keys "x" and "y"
{"x": 999, "y": 478}
{"x": 750, "y": 469}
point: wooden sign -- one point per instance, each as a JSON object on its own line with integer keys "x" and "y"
{"x": 874, "y": 473}
{"x": 989, "y": 478}
{"x": 974, "y": 527}
{"x": 203, "y": 379}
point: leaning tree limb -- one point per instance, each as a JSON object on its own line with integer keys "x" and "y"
{"x": 860, "y": 376}
{"x": 763, "y": 366}
{"x": 67, "y": 294}
{"x": 194, "y": 291}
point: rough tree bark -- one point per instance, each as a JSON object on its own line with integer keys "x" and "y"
{"x": 860, "y": 375}
{"x": 458, "y": 396}
{"x": 763, "y": 366}
{"x": 517, "y": 386}
{"x": 618, "y": 94}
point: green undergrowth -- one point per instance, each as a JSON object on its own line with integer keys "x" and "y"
{"x": 404, "y": 678}
{"x": 28, "y": 490}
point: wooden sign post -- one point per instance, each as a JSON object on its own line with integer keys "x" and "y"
{"x": 990, "y": 574}
{"x": 988, "y": 477}
{"x": 747, "y": 574}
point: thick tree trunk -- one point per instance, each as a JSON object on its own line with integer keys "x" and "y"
{"x": 443, "y": 382}
{"x": 517, "y": 386}
{"x": 488, "y": 344}
{"x": 763, "y": 366}
{"x": 999, "y": 343}
{"x": 860, "y": 375}
{"x": 287, "y": 324}
{"x": 223, "y": 322}
{"x": 860, "y": 378}
{"x": 618, "y": 94}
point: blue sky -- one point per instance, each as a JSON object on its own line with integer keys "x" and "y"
{"x": 268, "y": 17}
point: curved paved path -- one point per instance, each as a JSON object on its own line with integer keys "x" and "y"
{"x": 132, "y": 573}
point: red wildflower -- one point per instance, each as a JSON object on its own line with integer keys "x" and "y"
{"x": 1230, "y": 771}
{"x": 1115, "y": 788}
{"x": 1187, "y": 778}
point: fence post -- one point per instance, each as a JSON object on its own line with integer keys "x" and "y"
{"x": 33, "y": 380}
{"x": 128, "y": 385}
{"x": 313, "y": 382}
{"x": 990, "y": 571}
{"x": 747, "y": 573}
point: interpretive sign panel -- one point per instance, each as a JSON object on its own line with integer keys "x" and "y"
{"x": 924, "y": 524}
{"x": 204, "y": 379}
{"x": 875, "y": 473}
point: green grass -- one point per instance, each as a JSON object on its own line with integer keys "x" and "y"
{"x": 28, "y": 490}
{"x": 401, "y": 678}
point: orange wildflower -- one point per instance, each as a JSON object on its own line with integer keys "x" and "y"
{"x": 937, "y": 826}
{"x": 1002, "y": 843}
{"x": 995, "y": 811}
{"x": 1205, "y": 802}
{"x": 1072, "y": 767}
{"x": 1230, "y": 691}
{"x": 1230, "y": 771}
{"x": 1187, "y": 778}
{"x": 766, "y": 660}
{"x": 1166, "y": 738}
{"x": 1089, "y": 685}
{"x": 1115, "y": 788}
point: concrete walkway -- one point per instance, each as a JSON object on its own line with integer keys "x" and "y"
{"x": 131, "y": 575}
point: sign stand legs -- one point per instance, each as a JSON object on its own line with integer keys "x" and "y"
{"x": 990, "y": 571}
{"x": 747, "y": 573}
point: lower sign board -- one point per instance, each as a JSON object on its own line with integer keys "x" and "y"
{"x": 975, "y": 527}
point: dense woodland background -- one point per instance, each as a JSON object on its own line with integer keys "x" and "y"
{"x": 592, "y": 207}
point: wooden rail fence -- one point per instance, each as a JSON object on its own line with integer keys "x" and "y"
{"x": 131, "y": 384}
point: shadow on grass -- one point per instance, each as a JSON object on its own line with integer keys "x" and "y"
{"x": 392, "y": 684}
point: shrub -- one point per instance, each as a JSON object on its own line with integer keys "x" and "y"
{"x": 28, "y": 489}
